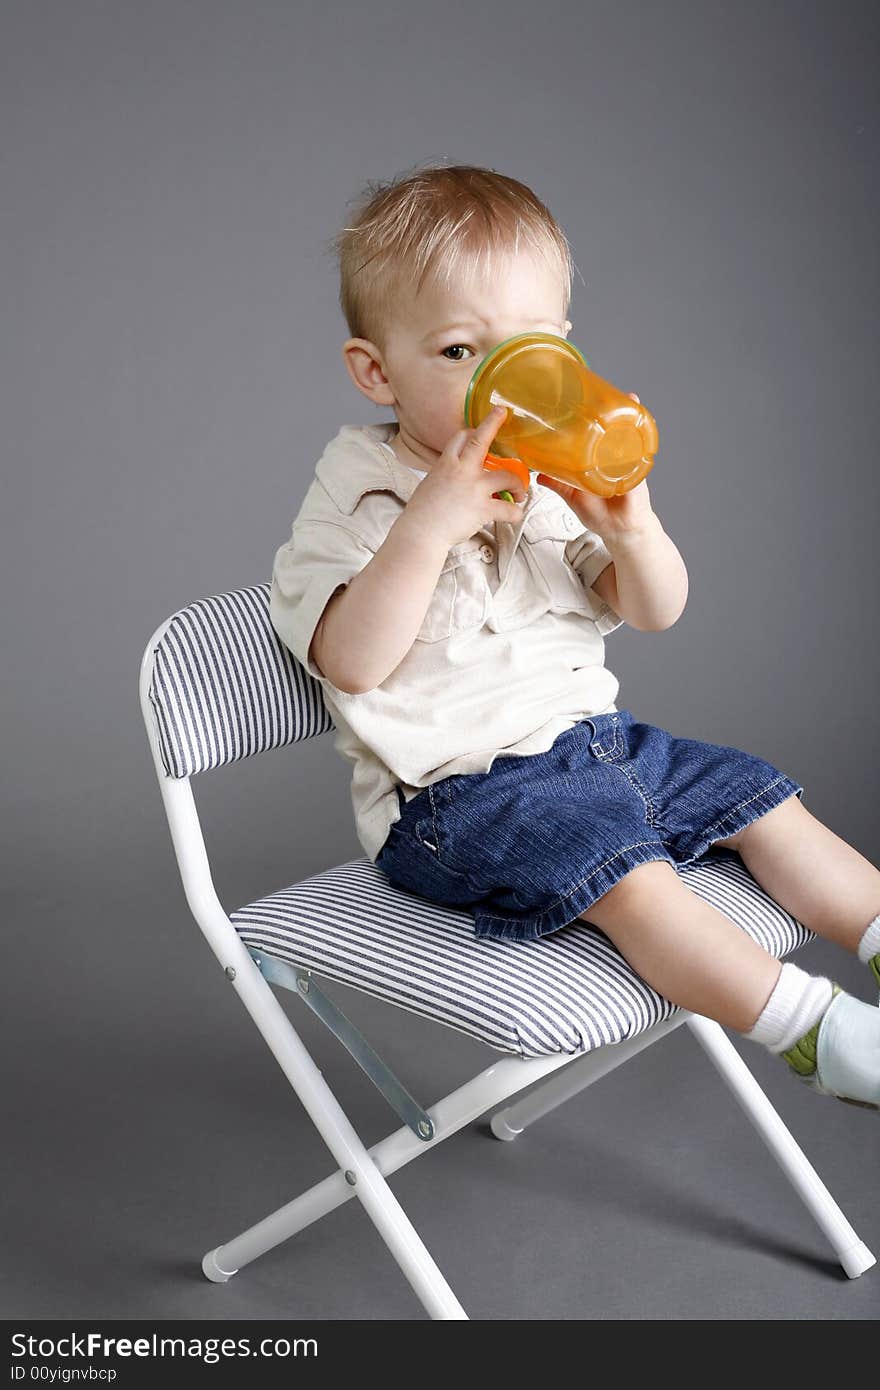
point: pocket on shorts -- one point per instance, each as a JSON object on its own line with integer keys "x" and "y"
{"x": 431, "y": 828}
{"x": 413, "y": 858}
{"x": 460, "y": 600}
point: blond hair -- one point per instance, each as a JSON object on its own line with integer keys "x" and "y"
{"x": 439, "y": 221}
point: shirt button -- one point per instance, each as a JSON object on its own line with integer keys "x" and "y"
{"x": 487, "y": 554}
{"x": 570, "y": 522}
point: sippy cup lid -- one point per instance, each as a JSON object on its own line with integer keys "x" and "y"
{"x": 507, "y": 350}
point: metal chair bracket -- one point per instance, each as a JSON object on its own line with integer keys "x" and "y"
{"x": 302, "y": 982}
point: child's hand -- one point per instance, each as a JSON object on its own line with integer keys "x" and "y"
{"x": 628, "y": 513}
{"x": 457, "y": 496}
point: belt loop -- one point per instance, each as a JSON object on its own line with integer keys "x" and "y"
{"x": 596, "y": 748}
{"x": 615, "y": 742}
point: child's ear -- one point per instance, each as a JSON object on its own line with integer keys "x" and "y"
{"x": 566, "y": 328}
{"x": 363, "y": 362}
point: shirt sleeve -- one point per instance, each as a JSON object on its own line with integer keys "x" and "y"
{"x": 589, "y": 555}
{"x": 320, "y": 558}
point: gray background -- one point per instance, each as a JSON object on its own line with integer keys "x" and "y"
{"x": 171, "y": 370}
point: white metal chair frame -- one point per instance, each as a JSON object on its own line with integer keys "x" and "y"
{"x": 362, "y": 1172}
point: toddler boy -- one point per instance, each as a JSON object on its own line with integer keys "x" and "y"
{"x": 458, "y": 638}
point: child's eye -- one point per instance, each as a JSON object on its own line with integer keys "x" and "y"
{"x": 454, "y": 347}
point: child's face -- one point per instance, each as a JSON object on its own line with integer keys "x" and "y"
{"x": 438, "y": 339}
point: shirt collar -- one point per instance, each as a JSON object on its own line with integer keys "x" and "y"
{"x": 358, "y": 460}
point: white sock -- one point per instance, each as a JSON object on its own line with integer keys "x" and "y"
{"x": 870, "y": 943}
{"x": 798, "y": 1001}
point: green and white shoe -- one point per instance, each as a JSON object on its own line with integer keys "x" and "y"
{"x": 840, "y": 1055}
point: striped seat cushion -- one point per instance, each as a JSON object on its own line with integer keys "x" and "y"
{"x": 570, "y": 991}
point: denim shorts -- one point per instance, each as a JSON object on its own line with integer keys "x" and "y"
{"x": 527, "y": 846}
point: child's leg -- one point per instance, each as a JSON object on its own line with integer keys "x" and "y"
{"x": 686, "y": 949}
{"x": 817, "y": 877}
{"x": 698, "y": 958}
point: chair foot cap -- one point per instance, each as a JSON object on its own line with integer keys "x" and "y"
{"x": 857, "y": 1259}
{"x": 212, "y": 1270}
{"x": 501, "y": 1129}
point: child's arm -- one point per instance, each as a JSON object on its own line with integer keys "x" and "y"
{"x": 647, "y": 583}
{"x": 367, "y": 629}
{"x": 349, "y": 611}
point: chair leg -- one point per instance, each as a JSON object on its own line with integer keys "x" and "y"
{"x": 498, "y": 1081}
{"x": 383, "y": 1208}
{"x": 508, "y": 1123}
{"x": 853, "y": 1254}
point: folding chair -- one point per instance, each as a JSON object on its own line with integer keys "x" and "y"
{"x": 216, "y": 685}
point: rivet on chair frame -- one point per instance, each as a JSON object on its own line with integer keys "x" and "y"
{"x": 230, "y": 972}
{"x": 350, "y": 1177}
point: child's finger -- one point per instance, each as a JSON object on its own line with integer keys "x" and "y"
{"x": 562, "y": 488}
{"x": 481, "y": 437}
{"x": 494, "y": 418}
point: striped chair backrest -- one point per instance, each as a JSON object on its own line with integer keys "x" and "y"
{"x": 225, "y": 686}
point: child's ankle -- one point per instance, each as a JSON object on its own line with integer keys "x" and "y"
{"x": 797, "y": 1002}
{"x": 802, "y": 1057}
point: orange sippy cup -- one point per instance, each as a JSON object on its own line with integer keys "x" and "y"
{"x": 562, "y": 419}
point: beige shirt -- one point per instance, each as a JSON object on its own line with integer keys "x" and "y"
{"x": 510, "y": 653}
